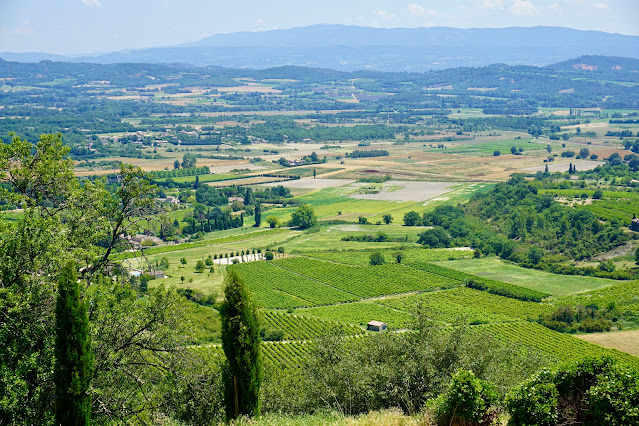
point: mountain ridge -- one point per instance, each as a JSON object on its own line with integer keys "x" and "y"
{"x": 350, "y": 48}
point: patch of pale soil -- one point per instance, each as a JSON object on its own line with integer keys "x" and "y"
{"x": 625, "y": 341}
{"x": 617, "y": 252}
{"x": 311, "y": 183}
{"x": 563, "y": 167}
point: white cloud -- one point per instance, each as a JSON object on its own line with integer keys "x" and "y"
{"x": 418, "y": 10}
{"x": 92, "y": 3}
{"x": 523, "y": 7}
{"x": 384, "y": 14}
{"x": 601, "y": 5}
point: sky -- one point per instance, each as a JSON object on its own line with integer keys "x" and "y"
{"x": 89, "y": 26}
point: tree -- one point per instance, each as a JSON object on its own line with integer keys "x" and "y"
{"x": 376, "y": 258}
{"x": 61, "y": 221}
{"x": 584, "y": 152}
{"x": 496, "y": 153}
{"x": 176, "y": 164}
{"x": 74, "y": 358}
{"x": 314, "y": 173}
{"x": 258, "y": 214}
{"x": 304, "y": 217}
{"x": 281, "y": 250}
{"x": 269, "y": 255}
{"x": 241, "y": 345}
{"x": 314, "y": 157}
{"x": 164, "y": 263}
{"x": 199, "y": 266}
{"x": 399, "y": 256}
{"x": 412, "y": 218}
{"x": 272, "y": 221}
{"x": 513, "y": 150}
{"x": 387, "y": 219}
{"x": 434, "y": 238}
{"x": 183, "y": 261}
{"x": 535, "y": 255}
{"x": 188, "y": 161}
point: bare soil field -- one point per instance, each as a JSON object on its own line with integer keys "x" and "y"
{"x": 625, "y": 341}
{"x": 310, "y": 183}
{"x": 563, "y": 167}
{"x": 249, "y": 88}
{"x": 410, "y": 191}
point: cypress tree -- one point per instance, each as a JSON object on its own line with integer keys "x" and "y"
{"x": 74, "y": 358}
{"x": 258, "y": 214}
{"x": 241, "y": 344}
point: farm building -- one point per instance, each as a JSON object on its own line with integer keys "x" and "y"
{"x": 634, "y": 224}
{"x": 376, "y": 326}
{"x": 233, "y": 199}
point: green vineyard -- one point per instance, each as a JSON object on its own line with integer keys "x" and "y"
{"x": 296, "y": 327}
{"x": 279, "y": 288}
{"x": 370, "y": 281}
{"x": 562, "y": 347}
{"x": 361, "y": 313}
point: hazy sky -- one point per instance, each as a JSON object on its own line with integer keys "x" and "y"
{"x": 83, "y": 26}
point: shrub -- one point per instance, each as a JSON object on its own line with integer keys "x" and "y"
{"x": 468, "y": 400}
{"x": 377, "y": 258}
{"x": 269, "y": 255}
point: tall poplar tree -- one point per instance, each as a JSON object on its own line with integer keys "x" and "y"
{"x": 241, "y": 344}
{"x": 258, "y": 214}
{"x": 74, "y": 358}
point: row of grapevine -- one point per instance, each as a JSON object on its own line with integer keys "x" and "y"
{"x": 560, "y": 346}
{"x": 296, "y": 327}
{"x": 361, "y": 313}
{"x": 285, "y": 354}
{"x": 278, "y": 288}
{"x": 367, "y": 281}
{"x": 491, "y": 303}
{"x": 623, "y": 296}
{"x": 442, "y": 310}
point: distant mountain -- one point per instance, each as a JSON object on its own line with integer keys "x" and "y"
{"x": 349, "y": 48}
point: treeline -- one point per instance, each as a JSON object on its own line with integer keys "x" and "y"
{"x": 189, "y": 171}
{"x": 369, "y": 153}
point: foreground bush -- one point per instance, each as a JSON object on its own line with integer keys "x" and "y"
{"x": 595, "y": 391}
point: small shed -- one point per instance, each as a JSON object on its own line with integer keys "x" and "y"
{"x": 376, "y": 326}
{"x": 634, "y": 224}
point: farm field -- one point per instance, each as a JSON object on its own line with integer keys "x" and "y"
{"x": 497, "y": 269}
{"x": 625, "y": 341}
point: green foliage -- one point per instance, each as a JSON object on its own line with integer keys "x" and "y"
{"x": 241, "y": 344}
{"x": 434, "y": 238}
{"x": 199, "y": 266}
{"x": 258, "y": 214}
{"x": 269, "y": 255}
{"x": 412, "y": 218}
{"x": 595, "y": 391}
{"x": 74, "y": 357}
{"x": 304, "y": 217}
{"x": 377, "y": 258}
{"x": 468, "y": 400}
{"x": 388, "y": 218}
{"x": 272, "y": 221}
